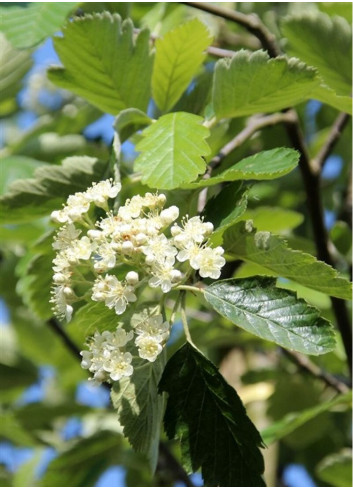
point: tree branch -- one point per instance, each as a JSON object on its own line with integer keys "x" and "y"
{"x": 251, "y": 23}
{"x": 56, "y": 327}
{"x": 305, "y": 364}
{"x": 336, "y": 130}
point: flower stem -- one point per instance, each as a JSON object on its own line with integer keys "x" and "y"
{"x": 185, "y": 321}
{"x": 190, "y": 287}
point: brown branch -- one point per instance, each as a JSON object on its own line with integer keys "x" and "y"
{"x": 251, "y": 23}
{"x": 305, "y": 364}
{"x": 336, "y": 130}
{"x": 172, "y": 464}
{"x": 56, "y": 327}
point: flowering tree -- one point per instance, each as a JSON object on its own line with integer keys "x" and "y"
{"x": 186, "y": 257}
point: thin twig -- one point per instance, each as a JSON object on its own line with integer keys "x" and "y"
{"x": 173, "y": 465}
{"x": 251, "y": 22}
{"x": 305, "y": 364}
{"x": 56, "y": 327}
{"x": 254, "y": 124}
{"x": 336, "y": 130}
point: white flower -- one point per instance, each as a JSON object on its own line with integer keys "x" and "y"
{"x": 189, "y": 252}
{"x": 100, "y": 192}
{"x": 132, "y": 278}
{"x": 163, "y": 275}
{"x": 119, "y": 365}
{"x": 65, "y": 236}
{"x": 62, "y": 308}
{"x": 77, "y": 205}
{"x": 209, "y": 262}
{"x": 117, "y": 339}
{"x": 153, "y": 326}
{"x": 132, "y": 208}
{"x": 194, "y": 231}
{"x": 158, "y": 249}
{"x": 114, "y": 293}
{"x": 106, "y": 257}
{"x": 169, "y": 215}
{"x": 148, "y": 347}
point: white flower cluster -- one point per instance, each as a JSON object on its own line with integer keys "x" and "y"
{"x": 91, "y": 256}
{"x": 107, "y": 358}
{"x": 107, "y": 259}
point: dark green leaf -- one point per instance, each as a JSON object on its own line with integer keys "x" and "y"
{"x": 208, "y": 417}
{"x": 225, "y": 209}
{"x": 265, "y": 165}
{"x": 258, "y": 306}
{"x": 27, "y": 26}
{"x": 31, "y": 198}
{"x": 179, "y": 55}
{"x": 103, "y": 64}
{"x": 172, "y": 149}
{"x": 140, "y": 407}
{"x": 271, "y": 252}
{"x": 253, "y": 82}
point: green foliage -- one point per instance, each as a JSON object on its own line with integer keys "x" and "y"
{"x": 140, "y": 407}
{"x": 336, "y": 469}
{"x": 172, "y": 150}
{"x": 274, "y": 314}
{"x": 223, "y": 441}
{"x": 129, "y": 121}
{"x": 14, "y": 65}
{"x": 83, "y": 463}
{"x": 27, "y": 26}
{"x": 48, "y": 188}
{"x": 294, "y": 420}
{"x": 179, "y": 55}
{"x": 272, "y": 253}
{"x": 252, "y": 82}
{"x": 325, "y": 43}
{"x": 265, "y": 165}
{"x": 103, "y": 64}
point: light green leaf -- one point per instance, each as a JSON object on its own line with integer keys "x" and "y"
{"x": 179, "y": 54}
{"x": 265, "y": 165}
{"x": 172, "y": 149}
{"x": 82, "y": 463}
{"x": 103, "y": 64}
{"x": 325, "y": 94}
{"x": 272, "y": 252}
{"x": 129, "y": 121}
{"x": 140, "y": 407}
{"x": 253, "y": 82}
{"x": 16, "y": 167}
{"x": 27, "y": 26}
{"x": 14, "y": 65}
{"x": 209, "y": 419}
{"x": 273, "y": 219}
{"x": 324, "y": 42}
{"x": 256, "y": 305}
{"x": 226, "y": 209}
{"x": 292, "y": 421}
{"x": 336, "y": 469}
{"x": 34, "y": 197}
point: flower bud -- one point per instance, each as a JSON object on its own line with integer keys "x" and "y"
{"x": 132, "y": 278}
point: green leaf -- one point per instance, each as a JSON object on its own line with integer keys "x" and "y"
{"x": 274, "y": 219}
{"x": 208, "y": 417}
{"x": 16, "y": 167}
{"x": 34, "y": 197}
{"x": 324, "y": 42}
{"x": 179, "y": 54}
{"x": 336, "y": 469}
{"x": 225, "y": 209}
{"x": 103, "y": 64}
{"x": 272, "y": 253}
{"x": 292, "y": 421}
{"x": 14, "y": 65}
{"x": 258, "y": 306}
{"x": 253, "y": 82}
{"x": 26, "y": 27}
{"x": 81, "y": 465}
{"x": 325, "y": 94}
{"x": 172, "y": 149}
{"x": 129, "y": 121}
{"x": 140, "y": 407}
{"x": 265, "y": 165}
